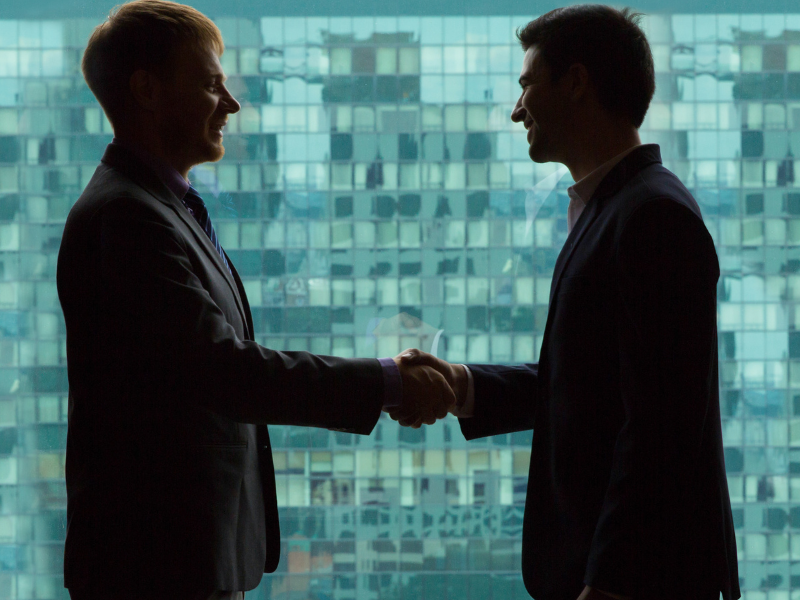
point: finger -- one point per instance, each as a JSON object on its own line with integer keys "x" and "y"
{"x": 404, "y": 413}
{"x": 409, "y": 420}
{"x": 395, "y": 416}
{"x": 410, "y": 356}
{"x": 433, "y": 405}
{"x": 405, "y": 417}
{"x": 441, "y": 411}
{"x": 447, "y": 395}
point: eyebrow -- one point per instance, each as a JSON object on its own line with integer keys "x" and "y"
{"x": 217, "y": 75}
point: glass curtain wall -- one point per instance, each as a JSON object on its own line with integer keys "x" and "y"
{"x": 375, "y": 196}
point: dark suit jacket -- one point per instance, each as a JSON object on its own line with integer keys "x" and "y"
{"x": 170, "y": 483}
{"x": 627, "y": 489}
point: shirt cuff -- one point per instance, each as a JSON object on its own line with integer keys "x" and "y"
{"x": 392, "y": 385}
{"x": 467, "y": 409}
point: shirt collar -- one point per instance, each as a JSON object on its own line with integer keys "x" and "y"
{"x": 583, "y": 189}
{"x": 167, "y": 174}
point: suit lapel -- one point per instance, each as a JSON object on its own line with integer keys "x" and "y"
{"x": 611, "y": 184}
{"x": 120, "y": 158}
{"x": 616, "y": 178}
{"x": 250, "y": 333}
{"x": 583, "y": 223}
{"x": 211, "y": 252}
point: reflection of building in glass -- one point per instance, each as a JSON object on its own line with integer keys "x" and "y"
{"x": 373, "y": 171}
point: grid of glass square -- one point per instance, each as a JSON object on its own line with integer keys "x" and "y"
{"x": 373, "y": 171}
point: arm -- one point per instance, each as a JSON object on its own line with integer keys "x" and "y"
{"x": 490, "y": 399}
{"x": 666, "y": 322}
{"x": 170, "y": 331}
{"x": 504, "y": 400}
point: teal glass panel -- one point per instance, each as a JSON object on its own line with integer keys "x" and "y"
{"x": 376, "y": 196}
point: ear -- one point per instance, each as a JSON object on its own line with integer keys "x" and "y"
{"x": 578, "y": 81}
{"x": 145, "y": 89}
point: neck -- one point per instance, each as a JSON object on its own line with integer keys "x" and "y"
{"x": 149, "y": 142}
{"x": 597, "y": 146}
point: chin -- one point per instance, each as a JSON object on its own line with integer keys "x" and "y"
{"x": 538, "y": 156}
{"x": 214, "y": 152}
{"x": 218, "y": 154}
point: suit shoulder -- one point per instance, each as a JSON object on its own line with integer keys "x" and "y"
{"x": 656, "y": 203}
{"x": 110, "y": 188}
{"x": 663, "y": 219}
{"x": 658, "y": 187}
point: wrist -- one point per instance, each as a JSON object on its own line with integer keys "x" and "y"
{"x": 459, "y": 383}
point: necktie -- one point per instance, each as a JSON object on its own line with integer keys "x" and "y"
{"x": 194, "y": 203}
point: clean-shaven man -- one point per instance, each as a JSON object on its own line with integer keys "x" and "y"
{"x": 170, "y": 482}
{"x": 627, "y": 494}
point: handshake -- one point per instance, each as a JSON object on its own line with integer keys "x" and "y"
{"x": 432, "y": 387}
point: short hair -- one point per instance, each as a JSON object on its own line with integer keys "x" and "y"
{"x": 143, "y": 34}
{"x": 609, "y": 43}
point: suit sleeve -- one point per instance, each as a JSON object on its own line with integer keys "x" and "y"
{"x": 504, "y": 400}
{"x": 171, "y": 331}
{"x": 667, "y": 271}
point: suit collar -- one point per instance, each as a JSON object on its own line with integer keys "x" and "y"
{"x": 584, "y": 188}
{"x": 167, "y": 174}
{"x": 129, "y": 163}
{"x": 638, "y": 158}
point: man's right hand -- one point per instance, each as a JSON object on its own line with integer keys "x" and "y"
{"x": 454, "y": 375}
{"x": 427, "y": 395}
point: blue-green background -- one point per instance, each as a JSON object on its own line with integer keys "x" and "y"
{"x": 374, "y": 171}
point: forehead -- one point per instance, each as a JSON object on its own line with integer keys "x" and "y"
{"x": 531, "y": 62}
{"x": 192, "y": 60}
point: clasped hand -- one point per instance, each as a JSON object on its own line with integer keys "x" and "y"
{"x": 431, "y": 388}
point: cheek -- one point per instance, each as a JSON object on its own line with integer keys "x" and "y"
{"x": 530, "y": 102}
{"x": 530, "y": 108}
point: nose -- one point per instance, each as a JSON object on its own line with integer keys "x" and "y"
{"x": 231, "y": 104}
{"x": 518, "y": 113}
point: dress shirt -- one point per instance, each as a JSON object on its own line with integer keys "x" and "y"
{"x": 392, "y": 384}
{"x": 581, "y": 192}
{"x": 579, "y": 195}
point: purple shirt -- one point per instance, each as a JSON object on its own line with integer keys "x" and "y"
{"x": 392, "y": 384}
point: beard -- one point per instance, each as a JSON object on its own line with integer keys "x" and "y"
{"x": 215, "y": 151}
{"x": 193, "y": 144}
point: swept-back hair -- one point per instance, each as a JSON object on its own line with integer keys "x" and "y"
{"x": 143, "y": 34}
{"x": 609, "y": 43}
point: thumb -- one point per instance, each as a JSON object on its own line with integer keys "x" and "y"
{"x": 412, "y": 356}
